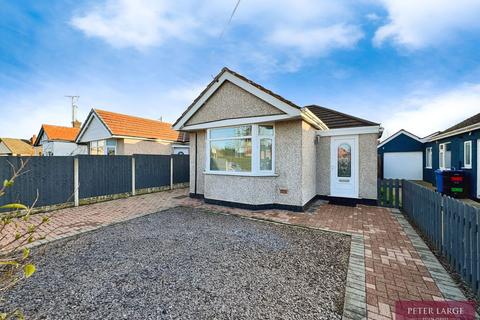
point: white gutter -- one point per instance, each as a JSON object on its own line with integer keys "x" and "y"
{"x": 350, "y": 131}
{"x": 311, "y": 118}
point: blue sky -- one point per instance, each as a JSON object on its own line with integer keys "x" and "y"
{"x": 407, "y": 64}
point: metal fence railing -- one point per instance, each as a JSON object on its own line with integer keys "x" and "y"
{"x": 450, "y": 225}
{"x": 58, "y": 180}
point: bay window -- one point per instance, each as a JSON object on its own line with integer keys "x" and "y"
{"x": 245, "y": 149}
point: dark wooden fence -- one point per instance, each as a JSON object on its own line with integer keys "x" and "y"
{"x": 390, "y": 193}
{"x": 53, "y": 179}
{"x": 450, "y": 225}
{"x": 153, "y": 171}
{"x": 104, "y": 175}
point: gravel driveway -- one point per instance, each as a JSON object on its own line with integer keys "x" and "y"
{"x": 187, "y": 263}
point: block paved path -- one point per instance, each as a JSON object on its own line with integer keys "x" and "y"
{"x": 394, "y": 269}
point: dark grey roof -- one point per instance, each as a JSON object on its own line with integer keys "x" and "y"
{"x": 335, "y": 119}
{"x": 465, "y": 123}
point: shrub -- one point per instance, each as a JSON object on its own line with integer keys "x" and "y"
{"x": 17, "y": 231}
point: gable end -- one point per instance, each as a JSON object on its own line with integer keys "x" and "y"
{"x": 232, "y": 102}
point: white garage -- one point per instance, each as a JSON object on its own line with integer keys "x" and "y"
{"x": 403, "y": 165}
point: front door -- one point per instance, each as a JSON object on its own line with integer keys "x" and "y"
{"x": 344, "y": 167}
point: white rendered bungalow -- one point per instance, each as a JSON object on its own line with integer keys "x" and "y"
{"x": 251, "y": 148}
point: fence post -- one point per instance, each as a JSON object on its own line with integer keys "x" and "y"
{"x": 171, "y": 172}
{"x": 133, "y": 176}
{"x": 76, "y": 182}
{"x": 442, "y": 210}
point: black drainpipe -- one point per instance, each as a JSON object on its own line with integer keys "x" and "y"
{"x": 196, "y": 164}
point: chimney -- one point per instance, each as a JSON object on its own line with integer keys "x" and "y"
{"x": 32, "y": 139}
{"x": 76, "y": 124}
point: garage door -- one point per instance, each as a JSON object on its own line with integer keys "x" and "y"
{"x": 403, "y": 165}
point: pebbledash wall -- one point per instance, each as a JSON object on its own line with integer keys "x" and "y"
{"x": 302, "y": 167}
{"x": 302, "y": 175}
{"x": 238, "y": 102}
{"x": 367, "y": 145}
{"x": 250, "y": 189}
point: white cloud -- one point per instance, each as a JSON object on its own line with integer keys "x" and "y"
{"x": 373, "y": 17}
{"x": 307, "y": 26}
{"x": 423, "y": 115}
{"x": 139, "y": 23}
{"x": 318, "y": 41}
{"x": 416, "y": 24}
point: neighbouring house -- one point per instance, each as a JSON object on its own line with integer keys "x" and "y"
{"x": 59, "y": 140}
{"x": 16, "y": 147}
{"x": 457, "y": 147}
{"x": 400, "y": 156}
{"x": 252, "y": 148}
{"x": 110, "y": 133}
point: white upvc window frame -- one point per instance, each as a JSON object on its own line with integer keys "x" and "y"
{"x": 469, "y": 164}
{"x": 442, "y": 152}
{"x": 428, "y": 157}
{"x": 255, "y": 137}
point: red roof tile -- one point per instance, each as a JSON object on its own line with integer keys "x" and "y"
{"x": 60, "y": 133}
{"x": 130, "y": 126}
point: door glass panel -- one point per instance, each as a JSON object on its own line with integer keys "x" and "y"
{"x": 344, "y": 164}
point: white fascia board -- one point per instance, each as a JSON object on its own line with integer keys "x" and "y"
{"x": 239, "y": 121}
{"x": 349, "y": 131}
{"x": 285, "y": 107}
{"x": 93, "y": 115}
{"x": 408, "y": 134}
{"x": 472, "y": 127}
{"x": 84, "y": 127}
{"x": 312, "y": 119}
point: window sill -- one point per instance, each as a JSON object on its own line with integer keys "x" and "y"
{"x": 466, "y": 168}
{"x": 428, "y": 168}
{"x": 240, "y": 174}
